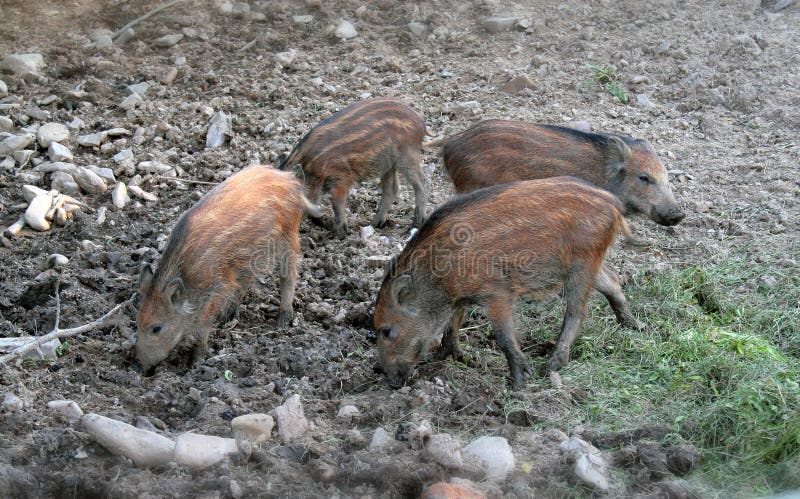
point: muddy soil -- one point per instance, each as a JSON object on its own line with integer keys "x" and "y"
{"x": 720, "y": 79}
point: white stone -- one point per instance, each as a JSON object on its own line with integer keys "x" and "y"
{"x": 285, "y": 58}
{"x": 499, "y": 24}
{"x": 417, "y": 29}
{"x": 254, "y": 428}
{"x": 492, "y": 454}
{"x": 140, "y": 88}
{"x": 218, "y": 130}
{"x": 92, "y": 139}
{"x": 345, "y": 30}
{"x": 11, "y": 403}
{"x": 141, "y": 193}
{"x": 445, "y": 450}
{"x": 377, "y": 261}
{"x": 21, "y": 64}
{"x": 107, "y": 174}
{"x": 292, "y": 424}
{"x": 37, "y": 211}
{"x": 55, "y": 166}
{"x": 366, "y": 232}
{"x": 89, "y": 181}
{"x": 145, "y": 448}
{"x": 201, "y": 451}
{"x": 117, "y": 132}
{"x": 3, "y": 89}
{"x": 132, "y": 101}
{"x": 6, "y": 124}
{"x": 591, "y": 470}
{"x": 302, "y": 19}
{"x": 67, "y": 408}
{"x": 64, "y": 182}
{"x": 22, "y": 157}
{"x": 15, "y": 143}
{"x": 58, "y": 152}
{"x": 347, "y": 412}
{"x": 380, "y": 438}
{"x": 123, "y": 156}
{"x": 154, "y": 167}
{"x": 119, "y": 196}
{"x": 76, "y": 124}
{"x": 168, "y": 40}
{"x": 644, "y": 101}
{"x": 102, "y": 38}
{"x": 31, "y": 191}
{"x": 56, "y": 261}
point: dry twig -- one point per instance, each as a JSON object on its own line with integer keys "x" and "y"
{"x": 63, "y": 333}
{"x": 144, "y": 17}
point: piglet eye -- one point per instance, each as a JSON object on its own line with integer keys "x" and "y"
{"x": 644, "y": 178}
{"x": 156, "y": 329}
{"x": 386, "y": 332}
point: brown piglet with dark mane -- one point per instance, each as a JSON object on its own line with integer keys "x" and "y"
{"x": 488, "y": 248}
{"x": 241, "y": 229}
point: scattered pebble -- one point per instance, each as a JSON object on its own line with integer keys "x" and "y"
{"x": 496, "y": 25}
{"x": 201, "y": 451}
{"x": 292, "y": 423}
{"x": 493, "y": 455}
{"x": 35, "y": 215}
{"x": 57, "y": 152}
{"x": 345, "y": 30}
{"x": 347, "y": 412}
{"x": 445, "y": 449}
{"x": 302, "y": 19}
{"x": 89, "y": 181}
{"x": 11, "y": 403}
{"x": 56, "y": 261}
{"x": 168, "y": 40}
{"x": 253, "y": 428}
{"x": 3, "y": 89}
{"x": 15, "y": 143}
{"x": 219, "y": 130}
{"x": 119, "y": 196}
{"x": 143, "y": 447}
{"x": 23, "y": 64}
{"x": 67, "y": 408}
{"x": 380, "y": 438}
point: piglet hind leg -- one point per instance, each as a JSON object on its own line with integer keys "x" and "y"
{"x": 577, "y": 289}
{"x": 499, "y": 313}
{"x": 288, "y": 281}
{"x": 339, "y": 200}
{"x": 607, "y": 283}
{"x": 388, "y": 195}
{"x": 412, "y": 171}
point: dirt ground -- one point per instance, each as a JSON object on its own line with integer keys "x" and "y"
{"x": 721, "y": 77}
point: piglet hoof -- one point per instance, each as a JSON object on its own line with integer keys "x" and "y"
{"x": 378, "y": 222}
{"x": 634, "y": 323}
{"x": 340, "y": 231}
{"x": 558, "y": 360}
{"x": 285, "y": 319}
{"x": 520, "y": 369}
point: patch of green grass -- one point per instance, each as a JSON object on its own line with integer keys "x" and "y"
{"x": 606, "y": 76}
{"x": 719, "y": 363}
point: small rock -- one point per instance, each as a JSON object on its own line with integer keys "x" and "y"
{"x": 3, "y": 89}
{"x": 89, "y": 181}
{"x": 141, "y": 194}
{"x": 292, "y": 424}
{"x": 119, "y": 196}
{"x": 219, "y": 130}
{"x": 168, "y": 76}
{"x": 347, "y": 412}
{"x": 201, "y": 451}
{"x": 253, "y": 428}
{"x": 154, "y": 167}
{"x": 102, "y": 38}
{"x": 492, "y": 454}
{"x": 781, "y": 4}
{"x": 37, "y": 211}
{"x": 445, "y": 450}
{"x": 525, "y": 24}
{"x": 417, "y": 29}
{"x": 517, "y": 84}
{"x": 117, "y": 132}
{"x": 67, "y": 408}
{"x": 380, "y": 438}
{"x": 168, "y": 40}
{"x": 143, "y": 447}
{"x": 499, "y": 24}
{"x": 285, "y": 58}
{"x": 57, "y": 152}
{"x": 123, "y": 156}
{"x": 364, "y": 233}
{"x": 127, "y": 35}
{"x": 15, "y": 143}
{"x": 345, "y": 30}
{"x": 644, "y": 101}
{"x": 662, "y": 47}
{"x": 22, "y": 157}
{"x": 92, "y": 139}
{"x": 591, "y": 470}
{"x": 107, "y": 174}
{"x": 56, "y": 261}
{"x": 132, "y": 101}
{"x": 769, "y": 281}
{"x": 51, "y": 132}
{"x": 11, "y": 403}
{"x": 31, "y": 191}
{"x": 6, "y": 124}
{"x": 140, "y": 88}
{"x": 76, "y": 124}
{"x": 64, "y": 183}
{"x": 302, "y": 19}
{"x": 22, "y": 64}
{"x": 583, "y": 126}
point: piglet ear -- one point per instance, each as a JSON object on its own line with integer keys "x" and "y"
{"x": 146, "y": 275}
{"x": 618, "y": 154}
{"x": 176, "y": 292}
{"x": 403, "y": 290}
